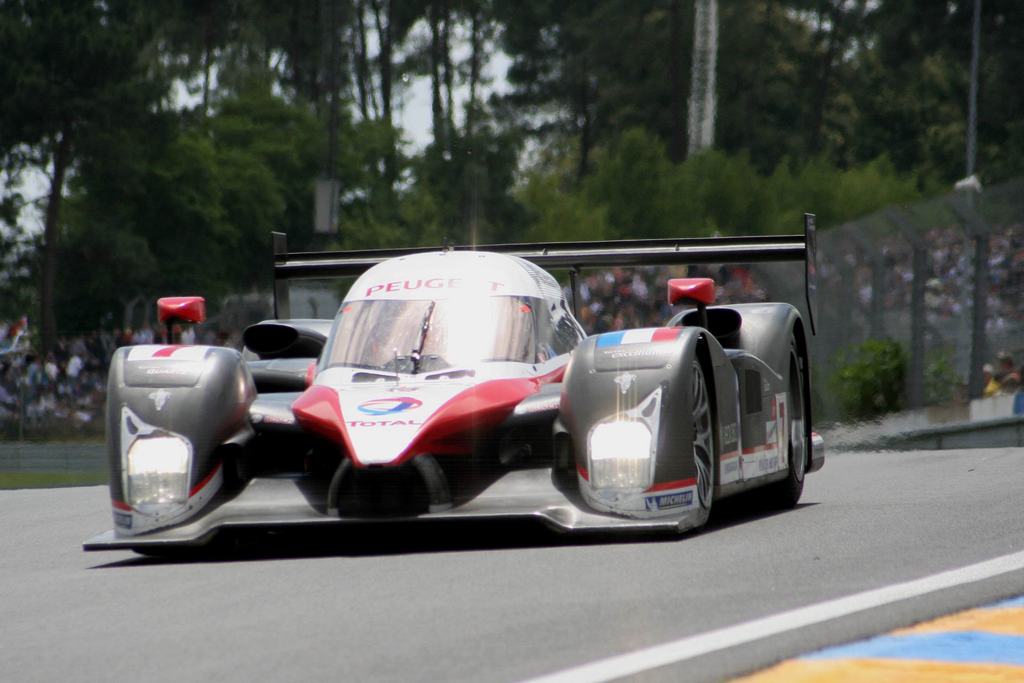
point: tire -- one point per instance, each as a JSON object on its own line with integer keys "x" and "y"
{"x": 786, "y": 493}
{"x": 703, "y": 421}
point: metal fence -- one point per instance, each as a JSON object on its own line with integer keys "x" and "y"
{"x": 944, "y": 278}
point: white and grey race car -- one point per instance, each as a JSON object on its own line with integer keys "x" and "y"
{"x": 457, "y": 383}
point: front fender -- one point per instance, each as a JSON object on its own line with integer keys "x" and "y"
{"x": 613, "y": 374}
{"x": 200, "y": 394}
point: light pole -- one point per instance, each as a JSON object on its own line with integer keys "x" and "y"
{"x": 701, "y": 118}
{"x": 972, "y": 97}
{"x": 971, "y": 187}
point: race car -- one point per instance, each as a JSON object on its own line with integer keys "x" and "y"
{"x": 457, "y": 383}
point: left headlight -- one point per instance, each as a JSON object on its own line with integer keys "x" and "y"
{"x": 158, "y": 473}
{"x": 620, "y": 455}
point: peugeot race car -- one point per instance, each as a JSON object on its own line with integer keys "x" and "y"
{"x": 457, "y": 383}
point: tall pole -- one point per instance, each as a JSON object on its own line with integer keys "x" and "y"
{"x": 326, "y": 188}
{"x": 972, "y": 98}
{"x": 979, "y": 313}
{"x": 701, "y": 119}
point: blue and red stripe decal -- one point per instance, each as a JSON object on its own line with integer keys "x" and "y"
{"x": 642, "y": 336}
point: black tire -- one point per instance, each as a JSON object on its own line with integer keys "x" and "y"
{"x": 786, "y": 493}
{"x": 703, "y": 419}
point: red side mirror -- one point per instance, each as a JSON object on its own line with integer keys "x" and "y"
{"x": 699, "y": 290}
{"x": 310, "y": 373}
{"x": 183, "y": 309}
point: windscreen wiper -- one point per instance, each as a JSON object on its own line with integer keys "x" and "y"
{"x": 417, "y": 353}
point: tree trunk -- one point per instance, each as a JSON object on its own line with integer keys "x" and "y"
{"x": 207, "y": 56}
{"x": 437, "y": 107}
{"x": 330, "y": 163}
{"x": 825, "y": 76}
{"x": 128, "y": 316}
{"x": 362, "y": 66}
{"x": 384, "y": 55}
{"x": 51, "y": 239}
{"x": 474, "y": 168}
{"x": 306, "y": 73}
{"x": 677, "y": 106}
{"x": 475, "y": 41}
{"x": 449, "y": 71}
{"x": 384, "y": 31}
{"x": 584, "y": 123}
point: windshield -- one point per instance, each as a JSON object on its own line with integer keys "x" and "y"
{"x": 429, "y": 335}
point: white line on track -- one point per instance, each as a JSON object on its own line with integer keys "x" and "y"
{"x": 723, "y": 638}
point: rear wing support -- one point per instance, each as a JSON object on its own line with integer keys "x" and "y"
{"x": 282, "y": 302}
{"x": 573, "y": 256}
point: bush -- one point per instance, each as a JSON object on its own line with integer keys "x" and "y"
{"x": 870, "y": 379}
{"x": 941, "y": 380}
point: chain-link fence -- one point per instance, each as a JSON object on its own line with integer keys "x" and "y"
{"x": 912, "y": 274}
{"x": 944, "y": 278}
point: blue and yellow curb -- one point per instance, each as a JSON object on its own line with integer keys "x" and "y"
{"x": 977, "y": 646}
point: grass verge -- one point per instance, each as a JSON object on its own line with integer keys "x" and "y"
{"x": 39, "y": 480}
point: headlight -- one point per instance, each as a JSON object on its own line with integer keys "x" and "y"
{"x": 158, "y": 469}
{"x": 620, "y": 455}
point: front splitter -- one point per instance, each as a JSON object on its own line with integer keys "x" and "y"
{"x": 282, "y": 502}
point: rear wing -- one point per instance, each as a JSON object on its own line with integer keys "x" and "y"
{"x": 572, "y": 256}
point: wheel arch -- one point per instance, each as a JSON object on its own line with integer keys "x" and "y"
{"x": 803, "y": 352}
{"x": 703, "y": 350}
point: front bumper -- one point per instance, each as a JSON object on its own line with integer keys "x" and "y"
{"x": 283, "y": 502}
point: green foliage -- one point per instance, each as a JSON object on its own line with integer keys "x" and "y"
{"x": 630, "y": 182}
{"x": 870, "y": 378}
{"x": 557, "y": 216}
{"x": 942, "y": 383}
{"x": 837, "y": 195}
{"x": 634, "y": 191}
{"x": 187, "y": 209}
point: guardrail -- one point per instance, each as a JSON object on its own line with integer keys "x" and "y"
{"x": 998, "y": 433}
{"x": 27, "y": 456}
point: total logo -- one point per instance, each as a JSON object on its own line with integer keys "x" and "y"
{"x": 389, "y": 406}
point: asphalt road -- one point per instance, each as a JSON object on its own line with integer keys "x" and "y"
{"x": 501, "y": 603}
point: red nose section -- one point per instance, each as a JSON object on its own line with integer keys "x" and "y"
{"x": 698, "y": 289}
{"x": 479, "y": 407}
{"x": 319, "y": 412}
{"x": 185, "y": 309}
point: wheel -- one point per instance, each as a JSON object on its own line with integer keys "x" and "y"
{"x": 786, "y": 493}
{"x": 703, "y": 442}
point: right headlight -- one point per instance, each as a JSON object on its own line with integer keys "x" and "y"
{"x": 158, "y": 473}
{"x": 620, "y": 455}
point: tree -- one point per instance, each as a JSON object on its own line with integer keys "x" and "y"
{"x": 187, "y": 206}
{"x": 70, "y": 69}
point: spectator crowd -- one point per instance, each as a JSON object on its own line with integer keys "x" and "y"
{"x": 948, "y": 287}
{"x": 625, "y": 298}
{"x": 65, "y": 389}
{"x": 1004, "y": 377}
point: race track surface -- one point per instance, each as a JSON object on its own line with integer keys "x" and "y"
{"x": 502, "y": 603}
